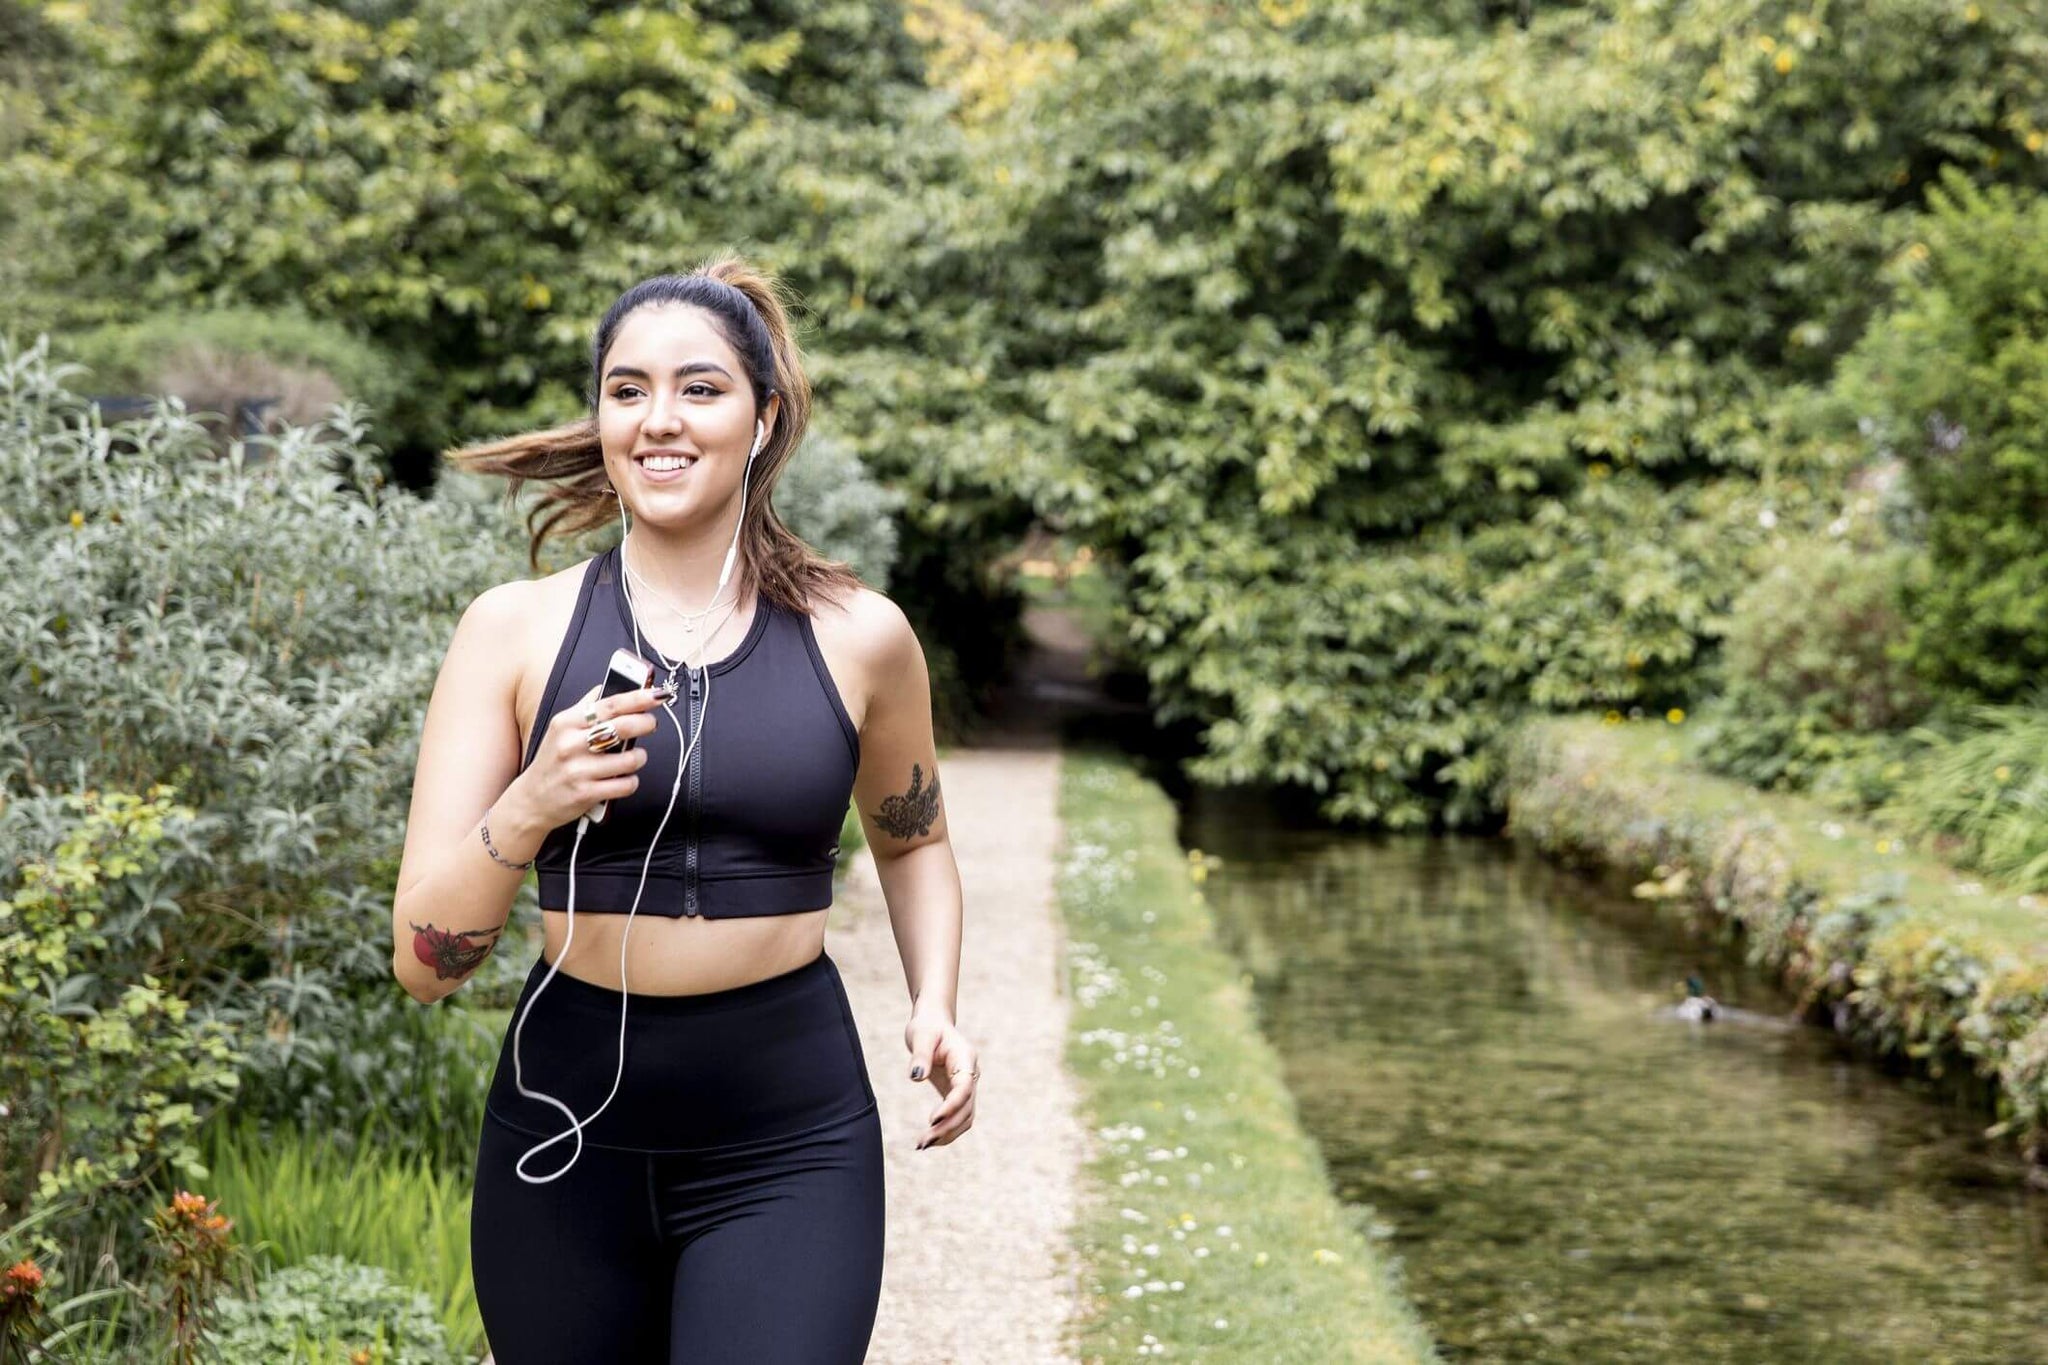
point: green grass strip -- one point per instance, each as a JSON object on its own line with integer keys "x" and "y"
{"x": 1207, "y": 1228}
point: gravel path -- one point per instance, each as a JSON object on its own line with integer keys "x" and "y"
{"x": 977, "y": 1265}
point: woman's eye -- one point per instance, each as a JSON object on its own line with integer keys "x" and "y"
{"x": 625, "y": 391}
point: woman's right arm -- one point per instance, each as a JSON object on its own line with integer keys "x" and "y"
{"x": 453, "y": 898}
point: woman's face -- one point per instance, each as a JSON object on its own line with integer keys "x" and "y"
{"x": 671, "y": 383}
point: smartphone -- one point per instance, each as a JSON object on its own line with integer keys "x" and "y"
{"x": 628, "y": 673}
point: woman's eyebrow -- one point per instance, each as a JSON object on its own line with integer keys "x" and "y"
{"x": 694, "y": 367}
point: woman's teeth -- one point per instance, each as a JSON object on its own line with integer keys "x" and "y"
{"x": 666, "y": 462}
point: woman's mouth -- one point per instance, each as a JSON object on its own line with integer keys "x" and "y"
{"x": 664, "y": 468}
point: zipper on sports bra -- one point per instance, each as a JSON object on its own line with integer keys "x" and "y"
{"x": 690, "y": 806}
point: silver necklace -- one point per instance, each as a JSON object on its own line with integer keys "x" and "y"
{"x": 690, "y": 619}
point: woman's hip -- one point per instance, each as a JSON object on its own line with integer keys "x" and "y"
{"x": 753, "y": 1064}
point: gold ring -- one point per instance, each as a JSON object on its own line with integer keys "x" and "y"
{"x": 601, "y": 739}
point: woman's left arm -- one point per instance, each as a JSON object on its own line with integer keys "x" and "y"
{"x": 902, "y": 812}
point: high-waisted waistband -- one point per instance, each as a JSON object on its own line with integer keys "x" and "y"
{"x": 715, "y": 1071}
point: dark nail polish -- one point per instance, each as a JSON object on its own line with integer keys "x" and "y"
{"x": 917, "y": 1073}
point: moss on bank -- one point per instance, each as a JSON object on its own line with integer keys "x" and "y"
{"x": 1914, "y": 961}
{"x": 1207, "y": 1228}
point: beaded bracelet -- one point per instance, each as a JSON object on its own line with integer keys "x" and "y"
{"x": 492, "y": 849}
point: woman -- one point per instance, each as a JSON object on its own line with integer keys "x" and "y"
{"x": 681, "y": 1156}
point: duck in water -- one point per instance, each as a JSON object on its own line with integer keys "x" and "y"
{"x": 1697, "y": 1006}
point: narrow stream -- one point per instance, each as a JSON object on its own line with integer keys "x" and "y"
{"x": 1480, "y": 1043}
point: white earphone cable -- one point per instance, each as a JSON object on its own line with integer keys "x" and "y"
{"x": 688, "y": 744}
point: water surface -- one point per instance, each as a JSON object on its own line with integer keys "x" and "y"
{"x": 1481, "y": 1043}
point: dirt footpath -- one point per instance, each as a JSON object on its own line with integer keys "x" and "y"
{"x": 977, "y": 1266}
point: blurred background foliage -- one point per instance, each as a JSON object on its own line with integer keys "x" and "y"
{"x": 1408, "y": 369}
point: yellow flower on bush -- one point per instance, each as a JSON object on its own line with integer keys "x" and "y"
{"x": 2001, "y": 772}
{"x": 1675, "y": 715}
{"x": 77, "y": 520}
{"x": 1324, "y": 1256}
{"x": 1785, "y": 61}
{"x": 1884, "y": 845}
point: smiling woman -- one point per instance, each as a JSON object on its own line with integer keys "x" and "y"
{"x": 739, "y": 1127}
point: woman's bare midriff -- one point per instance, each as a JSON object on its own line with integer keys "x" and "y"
{"x": 686, "y": 955}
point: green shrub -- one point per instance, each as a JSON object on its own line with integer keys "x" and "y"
{"x": 331, "y": 1312}
{"x": 1818, "y": 631}
{"x": 214, "y": 359}
{"x": 106, "y": 1072}
{"x": 263, "y": 635}
{"x": 1981, "y": 795}
{"x": 297, "y": 1195}
{"x": 1955, "y": 379}
{"x": 1815, "y": 685}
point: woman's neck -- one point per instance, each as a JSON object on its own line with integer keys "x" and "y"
{"x": 679, "y": 575}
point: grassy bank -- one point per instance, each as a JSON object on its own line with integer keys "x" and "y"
{"x": 1207, "y": 1229}
{"x": 1918, "y": 963}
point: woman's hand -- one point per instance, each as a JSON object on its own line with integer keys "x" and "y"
{"x": 565, "y": 778}
{"x": 939, "y": 1049}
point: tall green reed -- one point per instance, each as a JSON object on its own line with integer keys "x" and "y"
{"x": 296, "y": 1196}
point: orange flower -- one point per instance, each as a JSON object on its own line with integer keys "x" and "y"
{"x": 23, "y": 1277}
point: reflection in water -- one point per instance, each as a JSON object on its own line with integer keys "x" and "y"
{"x": 1481, "y": 1043}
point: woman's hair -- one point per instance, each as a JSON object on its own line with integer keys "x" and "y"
{"x": 747, "y": 309}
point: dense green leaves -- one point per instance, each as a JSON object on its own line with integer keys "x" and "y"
{"x": 1420, "y": 373}
{"x": 1415, "y": 366}
{"x": 1955, "y": 378}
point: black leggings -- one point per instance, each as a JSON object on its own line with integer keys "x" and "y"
{"x": 727, "y": 1204}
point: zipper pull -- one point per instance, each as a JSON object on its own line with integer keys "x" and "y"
{"x": 694, "y": 693}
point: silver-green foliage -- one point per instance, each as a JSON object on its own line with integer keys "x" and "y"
{"x": 327, "y": 1311}
{"x": 262, "y": 634}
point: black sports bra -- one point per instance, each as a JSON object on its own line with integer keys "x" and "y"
{"x": 755, "y": 830}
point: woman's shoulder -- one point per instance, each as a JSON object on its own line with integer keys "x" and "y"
{"x": 866, "y": 623}
{"x": 527, "y": 613}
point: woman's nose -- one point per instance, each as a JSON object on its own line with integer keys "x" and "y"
{"x": 664, "y": 414}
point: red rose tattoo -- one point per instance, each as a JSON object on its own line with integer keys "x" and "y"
{"x": 450, "y": 953}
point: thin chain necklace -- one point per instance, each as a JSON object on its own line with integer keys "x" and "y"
{"x": 690, "y": 619}
{"x": 674, "y": 666}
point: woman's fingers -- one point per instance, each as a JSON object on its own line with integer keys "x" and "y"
{"x": 620, "y": 708}
{"x": 941, "y": 1133}
{"x": 955, "y": 1113}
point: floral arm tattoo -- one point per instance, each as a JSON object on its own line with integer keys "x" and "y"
{"x": 913, "y": 811}
{"x": 452, "y": 953}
